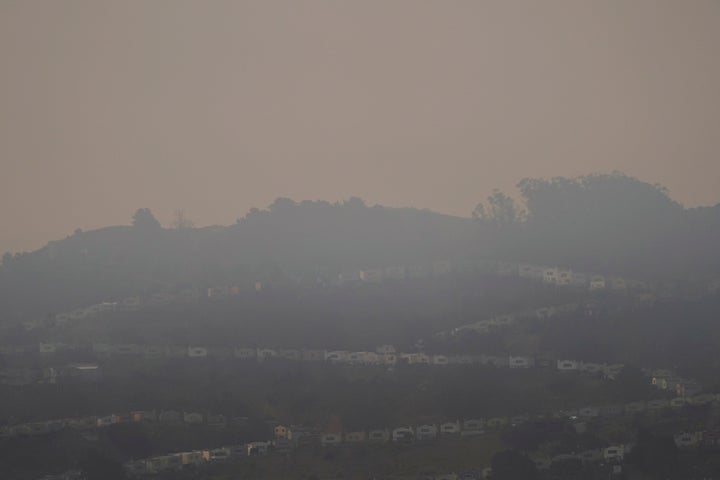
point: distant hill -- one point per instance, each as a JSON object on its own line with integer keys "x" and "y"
{"x": 288, "y": 239}
{"x": 597, "y": 223}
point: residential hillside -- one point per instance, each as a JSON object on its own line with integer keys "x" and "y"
{"x": 607, "y": 224}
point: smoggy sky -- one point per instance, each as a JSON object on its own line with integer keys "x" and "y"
{"x": 218, "y": 106}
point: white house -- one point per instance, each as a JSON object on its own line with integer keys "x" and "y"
{"x": 658, "y": 404}
{"x": 355, "y": 437}
{"x": 266, "y": 353}
{"x": 568, "y": 365}
{"x": 394, "y": 273}
{"x": 688, "y": 439}
{"x": 244, "y": 353}
{"x": 378, "y": 436}
{"x": 328, "y": 439}
{"x": 678, "y": 402}
{"x": 371, "y": 276}
{"x": 589, "y": 412}
{"x": 520, "y": 362}
{"x": 496, "y": 422}
{"x": 196, "y": 352}
{"x": 597, "y": 282}
{"x": 193, "y": 417}
{"x": 439, "y": 360}
{"x": 592, "y": 456}
{"x": 472, "y": 426}
{"x": 450, "y": 428}
{"x": 634, "y": 407}
{"x": 385, "y": 349}
{"x": 550, "y": 275}
{"x": 615, "y": 452}
{"x": 564, "y": 277}
{"x": 337, "y": 356}
{"x": 426, "y": 432}
{"x": 403, "y": 434}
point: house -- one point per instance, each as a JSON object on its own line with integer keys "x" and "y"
{"x": 266, "y": 353}
{"x": 403, "y": 434}
{"x": 589, "y": 412}
{"x": 613, "y": 370}
{"x": 426, "y": 432}
{"x": 502, "y": 320}
{"x": 545, "y": 312}
{"x": 359, "y": 358}
{"x": 220, "y": 352}
{"x": 47, "y": 348}
{"x": 371, "y": 276}
{"x": 526, "y": 270}
{"x": 154, "y": 351}
{"x": 170, "y": 416}
{"x": 688, "y": 439}
{"x": 105, "y": 421}
{"x": 337, "y": 356}
{"x": 564, "y": 457}
{"x": 497, "y": 422}
{"x": 388, "y": 359}
{"x": 446, "y": 476}
{"x": 176, "y": 351}
{"x": 564, "y": 277}
{"x": 568, "y": 365}
{"x": 702, "y": 399}
{"x": 659, "y": 404}
{"x": 355, "y": 437}
{"x": 128, "y": 349}
{"x": 440, "y": 360}
{"x": 678, "y": 402}
{"x": 612, "y": 410}
{"x": 244, "y": 353}
{"x": 472, "y": 426}
{"x": 216, "y": 420}
{"x": 383, "y": 349}
{"x": 257, "y": 448}
{"x": 192, "y": 417}
{"x": 440, "y": 268}
{"x": 520, "y": 362}
{"x": 578, "y": 280}
{"x": 280, "y": 431}
{"x": 591, "y": 456}
{"x": 220, "y": 291}
{"x": 219, "y": 454}
{"x": 82, "y": 372}
{"x": 493, "y": 360}
{"x": 615, "y": 452}
{"x": 144, "y": 416}
{"x": 592, "y": 368}
{"x": 597, "y": 282}
{"x": 415, "y": 358}
{"x": 196, "y": 352}
{"x": 550, "y": 276}
{"x": 617, "y": 283}
{"x": 506, "y": 269}
{"x": 543, "y": 463}
{"x": 519, "y": 420}
{"x": 394, "y": 273}
{"x": 290, "y": 354}
{"x": 329, "y": 439}
{"x": 282, "y": 445}
{"x": 634, "y": 407}
{"x": 450, "y": 428}
{"x": 313, "y": 355}
{"x": 196, "y": 457}
{"x": 378, "y": 436}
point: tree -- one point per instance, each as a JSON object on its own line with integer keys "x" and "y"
{"x": 144, "y": 219}
{"x": 499, "y": 208}
{"x": 181, "y": 222}
{"x": 512, "y": 465}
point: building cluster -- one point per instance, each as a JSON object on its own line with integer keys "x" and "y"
{"x": 383, "y": 355}
{"x": 73, "y": 373}
{"x": 565, "y": 277}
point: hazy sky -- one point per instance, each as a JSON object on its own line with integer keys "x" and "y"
{"x": 218, "y": 106}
